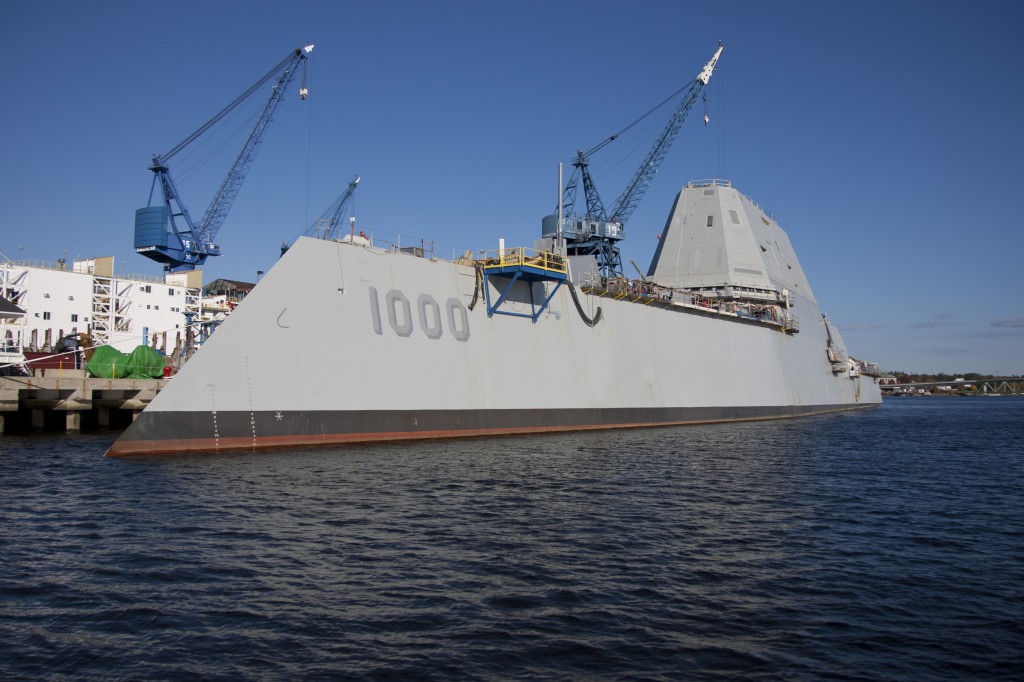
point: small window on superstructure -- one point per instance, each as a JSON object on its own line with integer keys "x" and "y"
{"x": 735, "y": 217}
{"x": 711, "y": 220}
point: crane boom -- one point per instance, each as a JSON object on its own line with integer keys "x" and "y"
{"x": 228, "y": 191}
{"x": 630, "y": 198}
{"x": 327, "y": 224}
{"x": 185, "y": 246}
{"x": 598, "y": 231}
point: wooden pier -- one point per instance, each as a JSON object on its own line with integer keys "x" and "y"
{"x": 70, "y": 400}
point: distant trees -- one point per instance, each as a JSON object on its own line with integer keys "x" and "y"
{"x": 910, "y": 378}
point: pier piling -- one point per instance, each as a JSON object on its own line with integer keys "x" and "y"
{"x": 75, "y": 401}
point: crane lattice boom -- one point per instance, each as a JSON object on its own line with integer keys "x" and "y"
{"x": 326, "y": 226}
{"x": 597, "y": 232}
{"x": 630, "y": 198}
{"x": 166, "y": 232}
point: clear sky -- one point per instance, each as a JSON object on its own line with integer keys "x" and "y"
{"x": 885, "y": 137}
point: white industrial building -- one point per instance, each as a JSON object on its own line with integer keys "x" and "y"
{"x": 124, "y": 311}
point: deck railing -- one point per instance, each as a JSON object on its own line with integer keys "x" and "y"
{"x": 520, "y": 256}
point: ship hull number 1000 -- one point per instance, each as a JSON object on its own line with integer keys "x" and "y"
{"x": 402, "y": 319}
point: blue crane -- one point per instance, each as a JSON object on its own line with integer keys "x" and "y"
{"x": 166, "y": 232}
{"x": 327, "y": 224}
{"x": 597, "y": 231}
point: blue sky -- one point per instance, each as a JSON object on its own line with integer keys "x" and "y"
{"x": 884, "y": 136}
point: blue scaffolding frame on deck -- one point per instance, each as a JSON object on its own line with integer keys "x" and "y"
{"x": 516, "y": 265}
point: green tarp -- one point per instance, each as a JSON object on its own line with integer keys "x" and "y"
{"x": 106, "y": 362}
{"x": 142, "y": 363}
{"x": 145, "y": 363}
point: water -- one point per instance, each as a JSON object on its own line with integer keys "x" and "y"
{"x": 883, "y": 545}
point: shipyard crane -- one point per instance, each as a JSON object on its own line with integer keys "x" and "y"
{"x": 597, "y": 231}
{"x": 327, "y": 224}
{"x": 165, "y": 232}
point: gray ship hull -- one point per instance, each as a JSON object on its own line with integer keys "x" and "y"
{"x": 345, "y": 342}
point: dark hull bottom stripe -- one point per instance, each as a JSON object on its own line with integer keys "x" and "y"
{"x": 167, "y": 432}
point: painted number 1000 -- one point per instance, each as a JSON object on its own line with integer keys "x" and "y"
{"x": 399, "y": 311}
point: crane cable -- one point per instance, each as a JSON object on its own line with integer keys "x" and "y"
{"x": 229, "y": 108}
{"x": 720, "y": 115}
{"x": 304, "y": 93}
{"x": 665, "y": 101}
{"x": 185, "y": 173}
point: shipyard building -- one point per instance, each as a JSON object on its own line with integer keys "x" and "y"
{"x": 86, "y": 297}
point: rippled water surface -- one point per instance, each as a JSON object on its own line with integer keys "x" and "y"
{"x": 887, "y": 544}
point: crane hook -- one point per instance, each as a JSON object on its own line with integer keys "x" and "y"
{"x": 303, "y": 90}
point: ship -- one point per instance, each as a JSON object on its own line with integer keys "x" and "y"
{"x": 723, "y": 327}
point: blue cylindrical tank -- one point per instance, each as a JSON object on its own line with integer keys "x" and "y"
{"x": 151, "y": 226}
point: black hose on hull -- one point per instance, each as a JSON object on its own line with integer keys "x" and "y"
{"x": 479, "y": 282}
{"x": 579, "y": 308}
